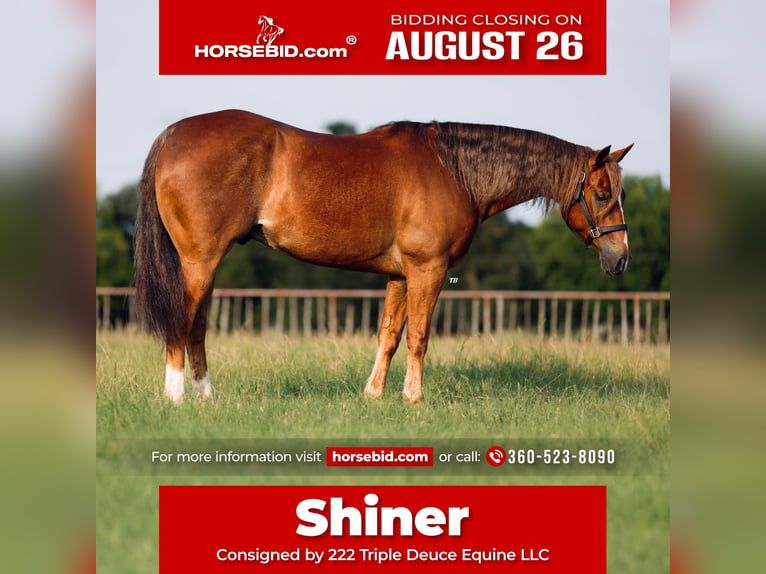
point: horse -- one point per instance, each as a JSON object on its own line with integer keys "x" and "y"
{"x": 269, "y": 30}
{"x": 403, "y": 200}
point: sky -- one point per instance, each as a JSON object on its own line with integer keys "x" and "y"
{"x": 628, "y": 105}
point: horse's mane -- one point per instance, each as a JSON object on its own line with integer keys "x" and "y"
{"x": 496, "y": 162}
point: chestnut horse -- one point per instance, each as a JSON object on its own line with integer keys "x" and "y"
{"x": 403, "y": 200}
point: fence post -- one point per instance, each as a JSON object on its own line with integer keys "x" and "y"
{"x": 321, "y": 316}
{"x": 487, "y": 319}
{"x": 475, "y": 317}
{"x": 648, "y": 321}
{"x": 609, "y": 322}
{"x": 527, "y": 314}
{"x": 366, "y": 306}
{"x": 212, "y": 317}
{"x": 461, "y": 305}
{"x": 265, "y": 313}
{"x": 225, "y": 310}
{"x": 348, "y": 327}
{"x": 332, "y": 315}
{"x": 584, "y": 320}
{"x": 249, "y": 314}
{"x": 596, "y": 320}
{"x": 293, "y": 312}
{"x": 513, "y": 315}
{"x": 636, "y": 321}
{"x": 236, "y": 322}
{"x": 447, "y": 323}
{"x": 541, "y": 318}
{"x": 554, "y": 317}
{"x": 623, "y": 321}
{"x": 106, "y": 313}
{"x": 307, "y": 316}
{"x": 568, "y": 319}
{"x": 662, "y": 332}
{"x": 279, "y": 320}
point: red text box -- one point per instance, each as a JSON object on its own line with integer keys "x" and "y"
{"x": 485, "y": 529}
{"x": 399, "y": 37}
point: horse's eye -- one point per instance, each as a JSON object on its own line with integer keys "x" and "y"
{"x": 602, "y": 196}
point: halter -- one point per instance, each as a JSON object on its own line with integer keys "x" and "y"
{"x": 595, "y": 230}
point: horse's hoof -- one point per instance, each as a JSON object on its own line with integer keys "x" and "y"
{"x": 174, "y": 398}
{"x": 203, "y": 389}
{"x": 413, "y": 400}
{"x": 373, "y": 394}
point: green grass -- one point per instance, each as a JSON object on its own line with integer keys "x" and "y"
{"x": 474, "y": 387}
{"x": 511, "y": 387}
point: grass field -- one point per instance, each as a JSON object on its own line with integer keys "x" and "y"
{"x": 513, "y": 387}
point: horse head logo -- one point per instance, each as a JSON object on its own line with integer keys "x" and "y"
{"x": 269, "y": 31}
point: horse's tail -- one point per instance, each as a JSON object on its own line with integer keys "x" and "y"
{"x": 158, "y": 278}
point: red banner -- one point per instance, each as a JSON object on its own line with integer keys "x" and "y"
{"x": 400, "y": 37}
{"x": 532, "y": 529}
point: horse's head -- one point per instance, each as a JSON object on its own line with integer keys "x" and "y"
{"x": 595, "y": 214}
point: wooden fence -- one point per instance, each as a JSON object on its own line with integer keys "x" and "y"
{"x": 598, "y": 316}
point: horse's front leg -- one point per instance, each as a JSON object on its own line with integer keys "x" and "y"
{"x": 389, "y": 335}
{"x": 423, "y": 287}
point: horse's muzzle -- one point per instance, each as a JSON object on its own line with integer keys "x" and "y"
{"x": 615, "y": 266}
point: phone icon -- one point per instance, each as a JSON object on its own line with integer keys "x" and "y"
{"x": 495, "y": 455}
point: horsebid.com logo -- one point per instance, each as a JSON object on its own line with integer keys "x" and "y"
{"x": 269, "y": 30}
{"x": 266, "y": 46}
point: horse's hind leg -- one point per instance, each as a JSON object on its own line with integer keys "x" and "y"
{"x": 389, "y": 335}
{"x": 198, "y": 280}
{"x": 174, "y": 371}
{"x": 198, "y": 287}
{"x": 195, "y": 348}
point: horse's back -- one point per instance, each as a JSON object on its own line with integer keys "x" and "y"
{"x": 348, "y": 201}
{"x": 224, "y": 126}
{"x": 208, "y": 173}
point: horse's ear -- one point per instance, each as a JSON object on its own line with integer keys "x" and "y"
{"x": 599, "y": 157}
{"x": 620, "y": 153}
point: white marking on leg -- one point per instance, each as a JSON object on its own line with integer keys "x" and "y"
{"x": 174, "y": 384}
{"x": 202, "y": 388}
{"x": 413, "y": 382}
{"x": 374, "y": 388}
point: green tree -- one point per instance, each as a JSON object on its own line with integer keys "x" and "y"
{"x": 114, "y": 259}
{"x": 115, "y": 217}
{"x": 341, "y": 128}
{"x": 499, "y": 257}
{"x": 561, "y": 262}
{"x": 118, "y": 210}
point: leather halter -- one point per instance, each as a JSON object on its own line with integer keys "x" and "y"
{"x": 595, "y": 231}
